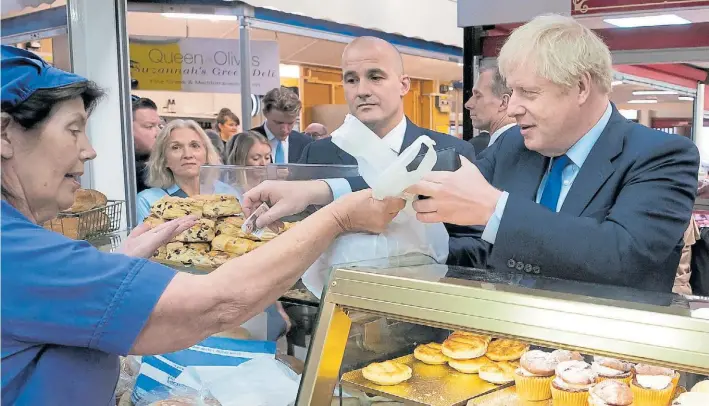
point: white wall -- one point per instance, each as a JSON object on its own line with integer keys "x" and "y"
{"x": 202, "y": 105}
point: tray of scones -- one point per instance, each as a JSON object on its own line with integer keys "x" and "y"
{"x": 216, "y": 238}
{"x": 477, "y": 370}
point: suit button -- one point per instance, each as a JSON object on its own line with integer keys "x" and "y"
{"x": 528, "y": 268}
{"x": 511, "y": 263}
{"x": 520, "y": 265}
{"x": 536, "y": 270}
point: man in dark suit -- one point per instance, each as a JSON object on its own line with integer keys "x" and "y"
{"x": 281, "y": 107}
{"x": 576, "y": 191}
{"x": 488, "y": 106}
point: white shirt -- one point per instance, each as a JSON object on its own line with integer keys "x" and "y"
{"x": 498, "y": 133}
{"x": 274, "y": 144}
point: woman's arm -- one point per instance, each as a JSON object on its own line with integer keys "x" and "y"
{"x": 194, "y": 307}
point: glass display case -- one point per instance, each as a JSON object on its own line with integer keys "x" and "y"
{"x": 382, "y": 310}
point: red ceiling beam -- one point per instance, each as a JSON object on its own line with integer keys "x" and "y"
{"x": 647, "y": 72}
{"x": 593, "y": 7}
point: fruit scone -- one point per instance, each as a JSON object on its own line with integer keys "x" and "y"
{"x": 170, "y": 208}
{"x": 186, "y": 253}
{"x": 213, "y": 259}
{"x": 234, "y": 245}
{"x": 203, "y": 231}
{"x": 219, "y": 205}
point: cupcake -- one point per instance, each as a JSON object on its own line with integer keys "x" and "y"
{"x": 692, "y": 399}
{"x": 702, "y": 386}
{"x": 653, "y": 385}
{"x": 564, "y": 355}
{"x": 610, "y": 393}
{"x": 534, "y": 376}
{"x": 611, "y": 368}
{"x": 572, "y": 383}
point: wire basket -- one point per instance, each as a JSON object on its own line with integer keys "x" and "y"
{"x": 91, "y": 223}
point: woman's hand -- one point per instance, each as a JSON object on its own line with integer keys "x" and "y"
{"x": 144, "y": 241}
{"x": 360, "y": 212}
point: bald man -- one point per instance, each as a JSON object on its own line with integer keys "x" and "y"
{"x": 316, "y": 130}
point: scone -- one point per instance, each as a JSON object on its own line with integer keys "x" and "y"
{"x": 506, "y": 350}
{"x": 610, "y": 393}
{"x": 153, "y": 220}
{"x": 572, "y": 383}
{"x": 202, "y": 231}
{"x": 498, "y": 372}
{"x": 611, "y": 368}
{"x": 386, "y": 373}
{"x": 469, "y": 366}
{"x": 161, "y": 253}
{"x": 430, "y": 354}
{"x": 653, "y": 385}
{"x": 170, "y": 208}
{"x": 213, "y": 259}
{"x": 232, "y": 245}
{"x": 459, "y": 347}
{"x": 219, "y": 205}
{"x": 534, "y": 376}
{"x": 185, "y": 252}
{"x": 230, "y": 226}
{"x": 486, "y": 338}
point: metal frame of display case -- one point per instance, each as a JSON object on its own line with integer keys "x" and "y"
{"x": 634, "y": 331}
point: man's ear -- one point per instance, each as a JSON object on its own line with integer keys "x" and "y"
{"x": 405, "y": 85}
{"x": 6, "y": 147}
{"x": 505, "y": 101}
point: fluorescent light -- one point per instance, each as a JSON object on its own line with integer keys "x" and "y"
{"x": 652, "y": 92}
{"x": 289, "y": 71}
{"x": 647, "y": 21}
{"x": 210, "y": 17}
{"x": 616, "y": 83}
{"x": 686, "y": 98}
{"x": 645, "y": 101}
{"x": 629, "y": 114}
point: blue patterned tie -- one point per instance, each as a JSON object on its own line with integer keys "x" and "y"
{"x": 279, "y": 153}
{"x": 552, "y": 189}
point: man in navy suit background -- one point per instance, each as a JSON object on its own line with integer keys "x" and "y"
{"x": 488, "y": 106}
{"x": 576, "y": 191}
{"x": 281, "y": 107}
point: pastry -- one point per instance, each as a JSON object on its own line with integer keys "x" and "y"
{"x": 230, "y": 226}
{"x": 692, "y": 399}
{"x": 219, "y": 205}
{"x": 534, "y": 376}
{"x": 506, "y": 350}
{"x": 610, "y": 393}
{"x": 185, "y": 252}
{"x": 386, "y": 373}
{"x": 170, "y": 208}
{"x": 702, "y": 386}
{"x": 87, "y": 199}
{"x": 498, "y": 372}
{"x": 153, "y": 220}
{"x": 565, "y": 355}
{"x": 232, "y": 245}
{"x": 430, "y": 354}
{"x": 611, "y": 368}
{"x": 469, "y": 366}
{"x": 161, "y": 253}
{"x": 486, "y": 338}
{"x": 212, "y": 259}
{"x": 653, "y": 385}
{"x": 459, "y": 347}
{"x": 203, "y": 231}
{"x": 572, "y": 383}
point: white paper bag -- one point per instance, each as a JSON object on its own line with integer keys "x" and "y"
{"x": 386, "y": 173}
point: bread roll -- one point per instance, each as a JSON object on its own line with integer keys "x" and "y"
{"x": 430, "y": 354}
{"x": 386, "y": 373}
{"x": 87, "y": 199}
{"x": 506, "y": 350}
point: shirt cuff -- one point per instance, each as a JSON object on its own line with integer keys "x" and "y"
{"x": 490, "y": 232}
{"x": 339, "y": 187}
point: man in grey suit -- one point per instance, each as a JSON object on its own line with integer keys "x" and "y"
{"x": 488, "y": 106}
{"x": 576, "y": 191}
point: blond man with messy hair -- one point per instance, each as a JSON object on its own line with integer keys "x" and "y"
{"x": 575, "y": 191}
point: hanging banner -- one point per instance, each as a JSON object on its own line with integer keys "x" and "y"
{"x": 201, "y": 65}
{"x": 581, "y": 7}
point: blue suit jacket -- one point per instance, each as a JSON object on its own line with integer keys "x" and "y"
{"x": 623, "y": 219}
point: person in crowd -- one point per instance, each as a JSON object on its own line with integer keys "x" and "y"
{"x": 68, "y": 309}
{"x": 250, "y": 149}
{"x": 574, "y": 191}
{"x": 488, "y": 107}
{"x": 146, "y": 125}
{"x": 227, "y": 124}
{"x": 281, "y": 108}
{"x": 316, "y": 131}
{"x": 181, "y": 149}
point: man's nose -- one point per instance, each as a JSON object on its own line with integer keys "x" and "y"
{"x": 514, "y": 107}
{"x": 470, "y": 104}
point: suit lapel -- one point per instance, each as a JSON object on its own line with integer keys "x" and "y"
{"x": 532, "y": 167}
{"x": 412, "y": 133}
{"x": 597, "y": 168}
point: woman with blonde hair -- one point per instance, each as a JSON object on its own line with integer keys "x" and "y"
{"x": 180, "y": 150}
{"x": 248, "y": 149}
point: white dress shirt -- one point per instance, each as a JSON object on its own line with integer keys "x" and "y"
{"x": 274, "y": 144}
{"x": 394, "y": 139}
{"x": 494, "y": 136}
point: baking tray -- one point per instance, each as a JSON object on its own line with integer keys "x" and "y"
{"x": 505, "y": 397}
{"x": 430, "y": 385}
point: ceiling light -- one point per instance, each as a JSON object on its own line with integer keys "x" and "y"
{"x": 647, "y": 21}
{"x": 652, "y": 92}
{"x": 210, "y": 17}
{"x": 642, "y": 101}
{"x": 616, "y": 83}
{"x": 629, "y": 114}
{"x": 686, "y": 98}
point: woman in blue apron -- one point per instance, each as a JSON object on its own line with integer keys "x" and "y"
{"x": 69, "y": 310}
